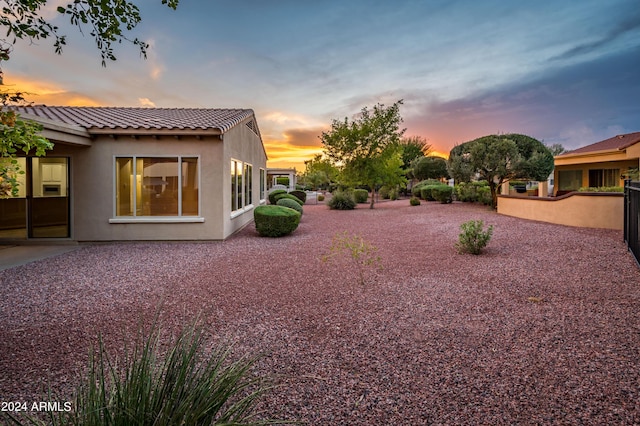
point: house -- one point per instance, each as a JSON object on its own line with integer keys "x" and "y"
{"x": 120, "y": 174}
{"x": 602, "y": 164}
{"x": 288, "y": 176}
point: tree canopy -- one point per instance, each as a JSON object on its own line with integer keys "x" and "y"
{"x": 431, "y": 167}
{"x": 499, "y": 158}
{"x": 367, "y": 149}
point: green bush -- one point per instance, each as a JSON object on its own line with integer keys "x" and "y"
{"x": 442, "y": 193}
{"x": 300, "y": 195}
{"x": 414, "y": 201}
{"x": 320, "y": 197}
{"x": 473, "y": 239}
{"x": 289, "y": 197}
{"x": 361, "y": 195}
{"x": 417, "y": 188}
{"x": 426, "y": 193}
{"x": 275, "y": 221}
{"x": 274, "y": 193}
{"x": 182, "y": 384}
{"x": 342, "y": 201}
{"x": 393, "y": 193}
{"x": 292, "y": 204}
{"x": 473, "y": 192}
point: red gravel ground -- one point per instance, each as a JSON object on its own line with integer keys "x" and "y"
{"x": 543, "y": 328}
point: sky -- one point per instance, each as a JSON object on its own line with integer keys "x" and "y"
{"x": 561, "y": 71}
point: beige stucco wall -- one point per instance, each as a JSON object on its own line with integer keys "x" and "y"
{"x": 589, "y": 210}
{"x": 92, "y": 184}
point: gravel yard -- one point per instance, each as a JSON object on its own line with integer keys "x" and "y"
{"x": 543, "y": 328}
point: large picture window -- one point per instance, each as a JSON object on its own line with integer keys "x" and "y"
{"x": 156, "y": 186}
{"x": 604, "y": 177}
{"x": 241, "y": 185}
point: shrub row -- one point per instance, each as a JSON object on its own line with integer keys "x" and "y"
{"x": 473, "y": 192}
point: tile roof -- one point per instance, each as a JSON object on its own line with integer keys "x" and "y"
{"x": 121, "y": 118}
{"x": 618, "y": 142}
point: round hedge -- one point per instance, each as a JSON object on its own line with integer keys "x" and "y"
{"x": 279, "y": 197}
{"x": 275, "y": 221}
{"x": 272, "y": 195}
{"x": 287, "y": 202}
{"x": 301, "y": 195}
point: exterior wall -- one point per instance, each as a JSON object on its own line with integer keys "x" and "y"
{"x": 93, "y": 193}
{"x": 588, "y": 210}
{"x": 241, "y": 144}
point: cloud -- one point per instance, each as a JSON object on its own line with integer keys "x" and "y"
{"x": 575, "y": 106}
{"x": 146, "y": 102}
{"x": 47, "y": 93}
{"x": 629, "y": 25}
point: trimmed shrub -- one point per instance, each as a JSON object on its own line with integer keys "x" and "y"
{"x": 275, "y": 221}
{"x": 289, "y": 197}
{"x": 473, "y": 239}
{"x": 426, "y": 193}
{"x": 342, "y": 201}
{"x": 384, "y": 192}
{"x": 292, "y": 204}
{"x": 473, "y": 192}
{"x": 442, "y": 193}
{"x": 417, "y": 188}
{"x": 320, "y": 197}
{"x": 300, "y": 195}
{"x": 414, "y": 201}
{"x": 272, "y": 195}
{"x": 361, "y": 195}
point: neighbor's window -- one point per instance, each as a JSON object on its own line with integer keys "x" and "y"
{"x": 241, "y": 185}
{"x": 156, "y": 186}
{"x": 604, "y": 177}
{"x": 569, "y": 180}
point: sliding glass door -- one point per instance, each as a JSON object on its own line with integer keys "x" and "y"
{"x": 39, "y": 207}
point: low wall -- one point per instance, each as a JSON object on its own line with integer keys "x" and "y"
{"x": 582, "y": 209}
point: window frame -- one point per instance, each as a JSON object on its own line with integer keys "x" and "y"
{"x": 241, "y": 191}
{"x": 135, "y": 218}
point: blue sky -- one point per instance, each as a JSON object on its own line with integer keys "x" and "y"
{"x": 561, "y": 71}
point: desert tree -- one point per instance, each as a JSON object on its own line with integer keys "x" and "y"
{"x": 367, "y": 149}
{"x": 500, "y": 158}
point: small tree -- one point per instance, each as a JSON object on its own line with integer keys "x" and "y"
{"x": 367, "y": 148}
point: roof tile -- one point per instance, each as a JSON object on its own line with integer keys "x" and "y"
{"x": 142, "y": 118}
{"x": 618, "y": 142}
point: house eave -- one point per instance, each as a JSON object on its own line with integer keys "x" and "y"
{"x": 59, "y": 132}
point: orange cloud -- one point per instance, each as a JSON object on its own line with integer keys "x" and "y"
{"x": 46, "y": 93}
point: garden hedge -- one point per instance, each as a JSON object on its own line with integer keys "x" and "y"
{"x": 279, "y": 197}
{"x": 272, "y": 195}
{"x": 275, "y": 221}
{"x": 361, "y": 195}
{"x": 292, "y": 204}
{"x": 301, "y": 195}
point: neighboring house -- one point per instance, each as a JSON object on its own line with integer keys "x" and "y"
{"x": 604, "y": 163}
{"x": 139, "y": 174}
{"x": 289, "y": 175}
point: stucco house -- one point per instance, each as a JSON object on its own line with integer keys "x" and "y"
{"x": 120, "y": 174}
{"x": 603, "y": 163}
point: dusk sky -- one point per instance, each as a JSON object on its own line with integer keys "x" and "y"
{"x": 561, "y": 71}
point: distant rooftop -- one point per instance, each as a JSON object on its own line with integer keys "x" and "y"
{"x": 115, "y": 118}
{"x": 618, "y": 142}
